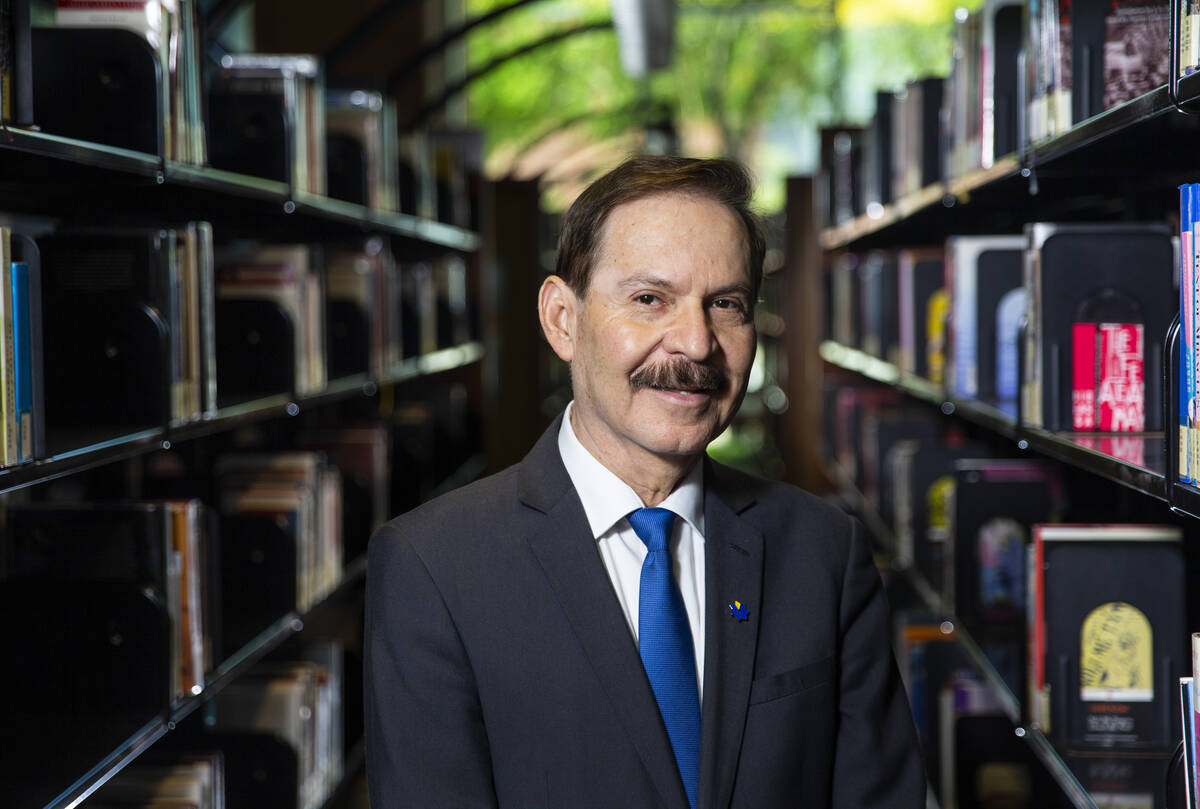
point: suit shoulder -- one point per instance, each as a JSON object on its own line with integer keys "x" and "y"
{"x": 783, "y": 501}
{"x": 458, "y": 513}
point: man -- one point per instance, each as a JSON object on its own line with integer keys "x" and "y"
{"x": 617, "y": 622}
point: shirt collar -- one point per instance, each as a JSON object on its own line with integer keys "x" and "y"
{"x": 607, "y": 499}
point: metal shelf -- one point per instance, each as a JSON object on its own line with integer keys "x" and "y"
{"x": 229, "y": 669}
{"x": 146, "y": 183}
{"x": 1050, "y": 757}
{"x": 92, "y": 455}
{"x": 1007, "y": 194}
{"x": 1136, "y": 460}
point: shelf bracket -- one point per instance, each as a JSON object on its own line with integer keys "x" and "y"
{"x": 1173, "y": 66}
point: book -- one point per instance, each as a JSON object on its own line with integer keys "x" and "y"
{"x": 981, "y": 271}
{"x": 300, "y": 491}
{"x": 1187, "y": 716}
{"x": 1048, "y": 49}
{"x": 169, "y": 28}
{"x": 877, "y": 156}
{"x": 1189, "y": 37}
{"x": 289, "y": 91}
{"x": 921, "y": 273}
{"x": 27, "y": 255}
{"x": 289, "y": 276}
{"x": 1106, "y": 633}
{"x": 298, "y": 703}
{"x": 1135, "y": 62}
{"x": 996, "y": 505}
{"x": 1189, "y": 213}
{"x": 22, "y": 339}
{"x": 1000, "y": 43}
{"x": 160, "y": 545}
{"x": 361, "y": 130}
{"x": 1085, "y": 363}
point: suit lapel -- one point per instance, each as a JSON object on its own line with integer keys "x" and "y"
{"x": 733, "y": 565}
{"x": 558, "y": 534}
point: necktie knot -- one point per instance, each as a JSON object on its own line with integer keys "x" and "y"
{"x": 653, "y": 527}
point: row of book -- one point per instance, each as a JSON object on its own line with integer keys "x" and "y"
{"x": 1049, "y": 323}
{"x": 183, "y": 329}
{"x": 1087, "y": 621}
{"x": 197, "y": 563}
{"x": 937, "y": 128}
{"x": 974, "y": 758}
{"x": 274, "y": 738}
{"x": 265, "y": 115}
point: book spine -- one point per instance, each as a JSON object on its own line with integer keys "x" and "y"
{"x": 37, "y": 371}
{"x": 1191, "y": 340}
{"x": 1038, "y": 712}
{"x": 963, "y": 310}
{"x": 11, "y": 451}
{"x": 208, "y": 315}
{"x": 1186, "y": 369}
{"x": 1083, "y": 387}
{"x": 24, "y": 360}
{"x": 175, "y": 325}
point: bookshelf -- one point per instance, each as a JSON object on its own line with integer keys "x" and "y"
{"x": 1122, "y": 164}
{"x": 54, "y": 183}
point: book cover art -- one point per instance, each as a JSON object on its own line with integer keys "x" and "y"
{"x": 1135, "y": 61}
{"x": 1107, "y": 612}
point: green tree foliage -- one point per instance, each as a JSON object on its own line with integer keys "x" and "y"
{"x": 740, "y": 69}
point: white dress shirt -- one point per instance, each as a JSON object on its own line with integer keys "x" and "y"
{"x": 607, "y": 500}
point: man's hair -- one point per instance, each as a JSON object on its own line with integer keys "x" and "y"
{"x": 719, "y": 179}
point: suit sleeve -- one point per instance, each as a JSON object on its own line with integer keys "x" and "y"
{"x": 877, "y": 763}
{"x": 426, "y": 744}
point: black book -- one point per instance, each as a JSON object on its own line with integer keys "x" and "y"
{"x": 1070, "y": 265}
{"x": 1108, "y": 635}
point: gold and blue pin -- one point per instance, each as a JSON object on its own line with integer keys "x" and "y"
{"x": 739, "y": 612}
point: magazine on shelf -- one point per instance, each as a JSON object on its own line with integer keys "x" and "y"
{"x": 1106, "y": 634}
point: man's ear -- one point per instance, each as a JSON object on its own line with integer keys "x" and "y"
{"x": 557, "y": 306}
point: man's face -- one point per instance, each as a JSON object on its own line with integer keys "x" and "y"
{"x": 665, "y": 332}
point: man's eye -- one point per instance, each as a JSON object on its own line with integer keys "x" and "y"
{"x": 647, "y": 299}
{"x": 728, "y": 303}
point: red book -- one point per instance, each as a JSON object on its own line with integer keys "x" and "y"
{"x": 1121, "y": 387}
{"x": 1083, "y": 388}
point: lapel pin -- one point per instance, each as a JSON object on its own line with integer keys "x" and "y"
{"x": 738, "y": 611}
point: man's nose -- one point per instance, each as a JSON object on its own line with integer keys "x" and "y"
{"x": 690, "y": 333}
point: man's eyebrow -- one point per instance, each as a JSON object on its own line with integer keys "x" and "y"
{"x": 732, "y": 289}
{"x": 646, "y": 281}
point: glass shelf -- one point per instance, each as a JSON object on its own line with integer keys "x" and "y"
{"x": 88, "y": 452}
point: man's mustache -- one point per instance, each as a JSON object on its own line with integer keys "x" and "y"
{"x": 678, "y": 374}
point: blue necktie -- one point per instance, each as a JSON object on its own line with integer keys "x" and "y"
{"x": 665, "y": 644}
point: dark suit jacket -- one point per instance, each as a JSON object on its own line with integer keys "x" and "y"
{"x": 500, "y": 671}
